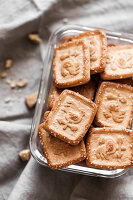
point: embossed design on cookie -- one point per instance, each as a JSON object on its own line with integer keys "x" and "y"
{"x": 108, "y": 148}
{"x": 69, "y": 68}
{"x": 63, "y": 57}
{"x": 122, "y": 100}
{"x": 117, "y": 97}
{"x": 106, "y": 114}
{"x": 118, "y": 117}
{"x": 120, "y": 148}
{"x": 124, "y": 63}
{"x": 113, "y": 110}
{"x": 66, "y": 125}
{"x": 73, "y": 116}
{"x": 105, "y": 148}
{"x": 111, "y": 96}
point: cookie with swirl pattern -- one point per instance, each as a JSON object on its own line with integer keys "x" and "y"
{"x": 109, "y": 148}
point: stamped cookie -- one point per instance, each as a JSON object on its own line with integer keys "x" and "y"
{"x": 109, "y": 148}
{"x": 58, "y": 153}
{"x": 119, "y": 63}
{"x": 70, "y": 117}
{"x": 115, "y": 105}
{"x": 98, "y": 48}
{"x": 87, "y": 90}
{"x": 71, "y": 64}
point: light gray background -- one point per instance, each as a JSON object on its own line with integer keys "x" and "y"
{"x": 17, "y": 19}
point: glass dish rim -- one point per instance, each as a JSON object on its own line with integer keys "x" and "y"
{"x": 42, "y": 91}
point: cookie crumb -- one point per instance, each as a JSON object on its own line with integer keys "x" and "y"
{"x": 7, "y": 99}
{"x": 21, "y": 83}
{"x": 24, "y": 154}
{"x": 11, "y": 83}
{"x": 3, "y": 74}
{"x": 16, "y": 83}
{"x": 31, "y": 99}
{"x": 65, "y": 20}
{"x": 34, "y": 38}
{"x": 9, "y": 63}
{"x": 8, "y": 81}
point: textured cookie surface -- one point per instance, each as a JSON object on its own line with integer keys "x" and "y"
{"x": 98, "y": 48}
{"x": 70, "y": 117}
{"x": 119, "y": 63}
{"x": 115, "y": 103}
{"x": 71, "y": 64}
{"x": 109, "y": 148}
{"x": 58, "y": 153}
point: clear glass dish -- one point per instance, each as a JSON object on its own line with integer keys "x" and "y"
{"x": 45, "y": 84}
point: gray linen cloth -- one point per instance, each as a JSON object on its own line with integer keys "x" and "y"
{"x": 17, "y": 19}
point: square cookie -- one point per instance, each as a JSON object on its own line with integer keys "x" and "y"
{"x": 58, "y": 153}
{"x": 70, "y": 117}
{"x": 71, "y": 64}
{"x": 87, "y": 90}
{"x": 119, "y": 63}
{"x": 115, "y": 105}
{"x": 109, "y": 148}
{"x": 98, "y": 48}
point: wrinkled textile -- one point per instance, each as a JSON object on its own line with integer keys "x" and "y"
{"x": 19, "y": 181}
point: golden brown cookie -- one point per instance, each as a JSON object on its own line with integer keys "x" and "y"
{"x": 70, "y": 117}
{"x": 114, "y": 105}
{"x": 98, "y": 48}
{"x": 58, "y": 153}
{"x": 71, "y": 64}
{"x": 119, "y": 63}
{"x": 109, "y": 148}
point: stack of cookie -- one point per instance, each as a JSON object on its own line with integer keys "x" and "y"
{"x": 79, "y": 113}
